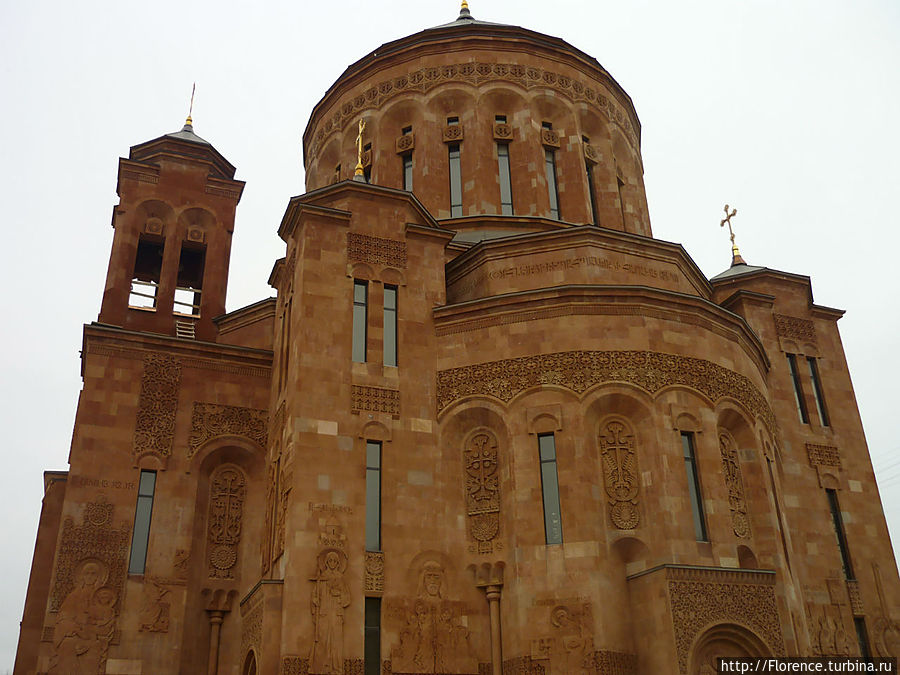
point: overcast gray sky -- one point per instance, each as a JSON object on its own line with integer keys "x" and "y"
{"x": 787, "y": 109}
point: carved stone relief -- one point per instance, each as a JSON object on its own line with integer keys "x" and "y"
{"x": 731, "y": 471}
{"x": 578, "y": 371}
{"x": 795, "y": 328}
{"x": 227, "y": 490}
{"x": 615, "y": 663}
{"x": 374, "y": 399}
{"x": 374, "y": 572}
{"x": 328, "y": 601}
{"x": 568, "y": 647}
{"x": 376, "y": 250}
{"x": 434, "y": 637}
{"x": 828, "y": 637}
{"x": 154, "y": 426}
{"x": 209, "y": 420}
{"x": 154, "y": 614}
{"x": 823, "y": 455}
{"x": 523, "y": 665}
{"x": 620, "y": 473}
{"x": 181, "y": 564}
{"x": 90, "y": 574}
{"x": 251, "y": 628}
{"x": 294, "y": 665}
{"x": 482, "y": 489}
{"x": 285, "y": 484}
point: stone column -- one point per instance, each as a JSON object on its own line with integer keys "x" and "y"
{"x": 490, "y": 578}
{"x": 215, "y": 627}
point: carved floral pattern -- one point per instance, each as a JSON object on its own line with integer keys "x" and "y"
{"x": 294, "y": 665}
{"x": 482, "y": 489}
{"x": 795, "y": 328}
{"x": 581, "y": 370}
{"x": 731, "y": 471}
{"x": 374, "y": 572}
{"x": 154, "y": 426}
{"x": 251, "y": 630}
{"x": 374, "y": 399}
{"x": 210, "y": 420}
{"x": 823, "y": 455}
{"x": 620, "y": 474}
{"x": 376, "y": 250}
{"x": 226, "y": 509}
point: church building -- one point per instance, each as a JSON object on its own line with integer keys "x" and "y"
{"x": 487, "y": 425}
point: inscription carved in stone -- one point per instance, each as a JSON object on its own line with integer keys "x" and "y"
{"x": 620, "y": 473}
{"x": 209, "y": 420}
{"x": 376, "y": 250}
{"x": 330, "y": 597}
{"x": 581, "y": 370}
{"x": 482, "y": 489}
{"x": 154, "y": 426}
{"x": 731, "y": 471}
{"x": 227, "y": 490}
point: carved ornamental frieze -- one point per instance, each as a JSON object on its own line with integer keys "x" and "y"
{"x": 374, "y": 399}
{"x": 209, "y": 420}
{"x": 795, "y": 328}
{"x": 823, "y": 455}
{"x": 374, "y": 572}
{"x": 376, "y": 250}
{"x": 482, "y": 489}
{"x": 227, "y": 490}
{"x": 578, "y": 371}
{"x": 620, "y": 473}
{"x": 87, "y": 590}
{"x": 154, "y": 427}
{"x": 731, "y": 471}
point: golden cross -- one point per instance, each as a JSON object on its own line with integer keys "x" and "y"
{"x": 736, "y": 258}
{"x": 359, "y": 149}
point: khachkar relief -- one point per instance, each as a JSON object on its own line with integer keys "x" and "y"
{"x": 227, "y": 490}
{"x": 482, "y": 490}
{"x": 154, "y": 426}
{"x": 330, "y": 598}
{"x": 578, "y": 371}
{"x": 731, "y": 471}
{"x": 425, "y": 79}
{"x": 90, "y": 574}
{"x": 620, "y": 473}
{"x": 434, "y": 638}
{"x": 568, "y": 646}
{"x": 209, "y": 420}
{"x": 700, "y": 598}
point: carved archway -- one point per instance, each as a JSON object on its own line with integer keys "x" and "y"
{"x": 723, "y": 641}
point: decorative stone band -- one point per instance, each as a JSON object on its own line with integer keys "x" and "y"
{"x": 424, "y": 80}
{"x": 823, "y": 455}
{"x": 795, "y": 328}
{"x": 374, "y": 399}
{"x": 209, "y": 420}
{"x": 580, "y": 370}
{"x": 154, "y": 427}
{"x": 376, "y": 250}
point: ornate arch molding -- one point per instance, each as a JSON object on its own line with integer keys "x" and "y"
{"x": 724, "y": 640}
{"x": 211, "y": 420}
{"x": 579, "y": 371}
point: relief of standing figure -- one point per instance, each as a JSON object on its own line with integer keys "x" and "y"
{"x": 330, "y": 596}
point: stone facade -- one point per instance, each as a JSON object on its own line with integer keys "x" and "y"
{"x": 588, "y": 458}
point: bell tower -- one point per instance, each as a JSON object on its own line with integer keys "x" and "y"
{"x": 168, "y": 269}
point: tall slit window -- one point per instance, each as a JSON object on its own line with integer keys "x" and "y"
{"x": 817, "y": 390}
{"x": 550, "y": 488}
{"x": 367, "y": 169}
{"x": 390, "y": 325}
{"x": 589, "y": 170}
{"x": 372, "y": 648}
{"x": 550, "y": 167}
{"x": 373, "y": 496}
{"x": 798, "y": 389}
{"x": 147, "y": 268}
{"x": 506, "y": 205}
{"x": 837, "y": 522}
{"x": 693, "y": 479}
{"x": 190, "y": 279}
{"x": 456, "y": 209}
{"x": 407, "y": 164}
{"x": 142, "y": 513}
{"x": 360, "y": 319}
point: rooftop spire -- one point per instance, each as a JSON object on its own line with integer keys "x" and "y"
{"x": 189, "y": 123}
{"x": 464, "y": 11}
{"x": 736, "y": 258}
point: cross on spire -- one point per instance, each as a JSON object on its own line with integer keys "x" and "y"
{"x": 736, "y": 258}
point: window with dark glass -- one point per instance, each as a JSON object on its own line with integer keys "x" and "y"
{"x": 407, "y": 164}
{"x": 589, "y": 170}
{"x": 550, "y": 488}
{"x": 372, "y": 647}
{"x": 373, "y": 496}
{"x": 506, "y": 207}
{"x": 550, "y": 167}
{"x": 142, "y": 513}
{"x": 862, "y": 636}
{"x": 693, "y": 479}
{"x": 456, "y": 209}
{"x": 360, "y": 319}
{"x": 390, "y": 325}
{"x": 817, "y": 390}
{"x": 837, "y": 522}
{"x": 147, "y": 268}
{"x": 367, "y": 169}
{"x": 798, "y": 389}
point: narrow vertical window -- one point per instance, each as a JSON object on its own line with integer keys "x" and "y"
{"x": 693, "y": 479}
{"x": 360, "y": 319}
{"x": 862, "y": 636}
{"x": 285, "y": 343}
{"x": 372, "y": 649}
{"x": 817, "y": 390}
{"x": 838, "y": 523}
{"x": 456, "y": 210}
{"x": 390, "y": 325}
{"x": 506, "y": 207}
{"x": 145, "y": 279}
{"x": 589, "y": 170}
{"x": 367, "y": 169}
{"x": 620, "y": 185}
{"x": 550, "y": 489}
{"x": 373, "y": 496}
{"x": 190, "y": 280}
{"x": 798, "y": 389}
{"x": 407, "y": 164}
{"x": 550, "y": 167}
{"x": 142, "y": 513}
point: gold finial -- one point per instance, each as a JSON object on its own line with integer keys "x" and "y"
{"x": 465, "y": 5}
{"x": 188, "y": 121}
{"x": 736, "y": 258}
{"x": 359, "y": 150}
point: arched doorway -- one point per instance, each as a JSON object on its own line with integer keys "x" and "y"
{"x": 249, "y": 664}
{"x": 723, "y": 641}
